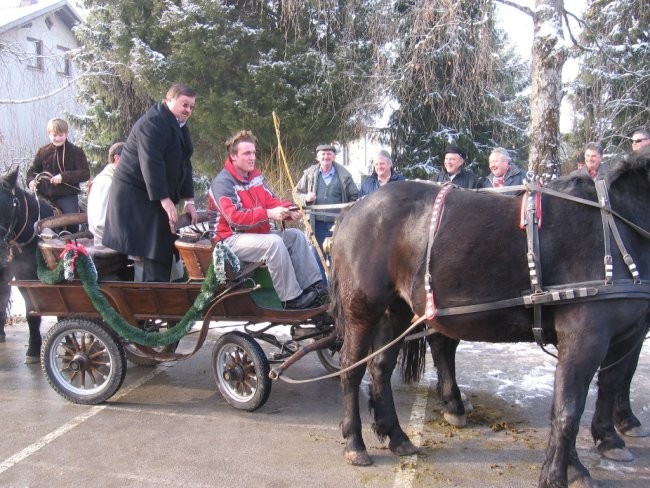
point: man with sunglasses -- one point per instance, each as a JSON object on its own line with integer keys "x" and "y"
{"x": 640, "y": 138}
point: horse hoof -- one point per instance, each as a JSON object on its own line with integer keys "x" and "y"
{"x": 639, "y": 431}
{"x": 32, "y": 359}
{"x": 622, "y": 455}
{"x": 358, "y": 458}
{"x": 587, "y": 482}
{"x": 404, "y": 449}
{"x": 455, "y": 420}
{"x": 467, "y": 403}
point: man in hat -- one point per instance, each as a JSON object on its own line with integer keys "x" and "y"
{"x": 454, "y": 170}
{"x": 326, "y": 183}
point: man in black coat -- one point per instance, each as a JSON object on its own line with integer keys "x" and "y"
{"x": 454, "y": 169}
{"x": 155, "y": 174}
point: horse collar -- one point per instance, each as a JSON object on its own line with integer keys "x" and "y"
{"x": 438, "y": 205}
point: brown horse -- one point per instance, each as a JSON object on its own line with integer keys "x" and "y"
{"x": 479, "y": 256}
{"x": 19, "y": 211}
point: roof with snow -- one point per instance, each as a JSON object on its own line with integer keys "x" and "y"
{"x": 13, "y": 15}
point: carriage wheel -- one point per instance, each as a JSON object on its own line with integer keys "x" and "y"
{"x": 241, "y": 371}
{"x": 83, "y": 361}
{"x": 330, "y": 357}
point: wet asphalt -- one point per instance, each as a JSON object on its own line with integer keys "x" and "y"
{"x": 168, "y": 426}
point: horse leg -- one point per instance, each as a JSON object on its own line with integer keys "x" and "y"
{"x": 578, "y": 361}
{"x": 380, "y": 369}
{"x": 355, "y": 347}
{"x": 33, "y": 354}
{"x": 612, "y": 404}
{"x": 443, "y": 351}
{"x": 624, "y": 419}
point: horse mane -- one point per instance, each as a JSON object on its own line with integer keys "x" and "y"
{"x": 636, "y": 162}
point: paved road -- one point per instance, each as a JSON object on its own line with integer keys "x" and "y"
{"x": 168, "y": 427}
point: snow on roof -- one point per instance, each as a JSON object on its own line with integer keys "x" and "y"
{"x": 12, "y": 15}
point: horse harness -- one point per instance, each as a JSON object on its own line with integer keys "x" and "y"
{"x": 552, "y": 295}
{"x": 10, "y": 236}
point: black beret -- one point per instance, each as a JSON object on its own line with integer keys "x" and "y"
{"x": 450, "y": 149}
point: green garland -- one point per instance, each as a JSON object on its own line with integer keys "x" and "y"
{"x": 76, "y": 257}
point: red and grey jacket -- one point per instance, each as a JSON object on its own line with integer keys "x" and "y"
{"x": 242, "y": 202}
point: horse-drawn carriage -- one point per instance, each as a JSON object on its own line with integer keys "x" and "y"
{"x": 105, "y": 319}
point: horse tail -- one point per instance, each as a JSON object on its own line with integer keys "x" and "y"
{"x": 413, "y": 360}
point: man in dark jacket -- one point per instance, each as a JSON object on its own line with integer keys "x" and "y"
{"x": 454, "y": 170}
{"x": 502, "y": 171}
{"x": 155, "y": 173}
{"x": 382, "y": 173}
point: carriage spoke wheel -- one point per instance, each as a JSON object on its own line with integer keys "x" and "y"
{"x": 241, "y": 371}
{"x": 83, "y": 361}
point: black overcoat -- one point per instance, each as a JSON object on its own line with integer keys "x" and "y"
{"x": 155, "y": 164}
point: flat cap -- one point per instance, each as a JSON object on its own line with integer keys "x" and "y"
{"x": 326, "y": 147}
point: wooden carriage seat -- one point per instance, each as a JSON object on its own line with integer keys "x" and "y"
{"x": 111, "y": 265}
{"x": 197, "y": 257}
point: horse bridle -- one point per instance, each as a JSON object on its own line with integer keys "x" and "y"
{"x": 10, "y": 236}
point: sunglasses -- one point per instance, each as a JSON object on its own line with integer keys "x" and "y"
{"x": 638, "y": 141}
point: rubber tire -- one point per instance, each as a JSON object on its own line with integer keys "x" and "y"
{"x": 330, "y": 358}
{"x": 105, "y": 341}
{"x": 256, "y": 365}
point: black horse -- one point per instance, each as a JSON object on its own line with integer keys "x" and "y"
{"x": 479, "y": 256}
{"x": 19, "y": 211}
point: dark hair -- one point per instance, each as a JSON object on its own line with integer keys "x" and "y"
{"x": 594, "y": 146}
{"x": 241, "y": 136}
{"x": 178, "y": 90}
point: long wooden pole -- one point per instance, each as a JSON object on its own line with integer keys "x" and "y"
{"x": 296, "y": 197}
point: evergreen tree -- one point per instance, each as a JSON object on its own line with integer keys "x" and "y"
{"x": 459, "y": 83}
{"x": 244, "y": 59}
{"x": 611, "y": 95}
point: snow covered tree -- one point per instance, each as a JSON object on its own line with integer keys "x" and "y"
{"x": 244, "y": 59}
{"x": 612, "y": 92}
{"x": 455, "y": 80}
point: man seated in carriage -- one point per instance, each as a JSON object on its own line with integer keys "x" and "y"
{"x": 246, "y": 206}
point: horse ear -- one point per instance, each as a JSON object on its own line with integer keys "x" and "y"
{"x": 12, "y": 176}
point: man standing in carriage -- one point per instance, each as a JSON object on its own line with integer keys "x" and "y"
{"x": 154, "y": 175}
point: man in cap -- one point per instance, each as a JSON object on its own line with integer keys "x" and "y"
{"x": 454, "y": 170}
{"x": 326, "y": 183}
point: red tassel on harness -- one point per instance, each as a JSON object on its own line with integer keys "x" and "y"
{"x": 75, "y": 249}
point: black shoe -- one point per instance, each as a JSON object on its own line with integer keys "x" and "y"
{"x": 307, "y": 299}
{"x": 320, "y": 288}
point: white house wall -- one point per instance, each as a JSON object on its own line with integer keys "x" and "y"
{"x": 23, "y": 121}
